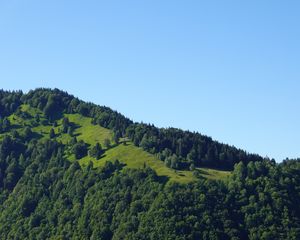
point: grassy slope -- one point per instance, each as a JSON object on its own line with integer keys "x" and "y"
{"x": 132, "y": 156}
{"x": 135, "y": 157}
{"x": 85, "y": 131}
{"x": 214, "y": 174}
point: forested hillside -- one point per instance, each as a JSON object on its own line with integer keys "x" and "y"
{"x": 178, "y": 149}
{"x": 42, "y": 195}
{"x": 76, "y": 170}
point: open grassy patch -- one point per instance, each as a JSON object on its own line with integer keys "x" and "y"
{"x": 88, "y": 132}
{"x": 135, "y": 157}
{"x": 214, "y": 174}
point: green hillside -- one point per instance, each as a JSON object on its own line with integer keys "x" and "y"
{"x": 125, "y": 152}
{"x": 75, "y": 170}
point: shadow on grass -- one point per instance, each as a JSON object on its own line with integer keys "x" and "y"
{"x": 102, "y": 156}
{"x": 74, "y": 125}
{"x": 113, "y": 146}
{"x": 203, "y": 172}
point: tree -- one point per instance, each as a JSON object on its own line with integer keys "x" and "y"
{"x": 6, "y": 124}
{"x": 51, "y": 109}
{"x": 27, "y": 133}
{"x": 174, "y": 161}
{"x": 240, "y": 171}
{"x": 83, "y": 109}
{"x": 13, "y": 173}
{"x": 116, "y": 137}
{"x": 52, "y": 133}
{"x": 65, "y": 124}
{"x": 96, "y": 151}
{"x": 80, "y": 149}
{"x": 37, "y": 118}
{"x": 192, "y": 156}
{"x": 15, "y": 134}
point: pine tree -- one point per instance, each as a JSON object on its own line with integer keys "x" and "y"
{"x": 96, "y": 151}
{"x": 65, "y": 125}
{"x": 52, "y": 133}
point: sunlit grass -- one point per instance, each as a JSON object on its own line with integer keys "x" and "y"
{"x": 135, "y": 157}
{"x": 214, "y": 174}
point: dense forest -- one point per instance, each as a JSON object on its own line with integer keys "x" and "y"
{"x": 45, "y": 195}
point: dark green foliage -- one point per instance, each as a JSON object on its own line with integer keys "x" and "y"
{"x": 116, "y": 137}
{"x": 15, "y": 134}
{"x": 96, "y": 151}
{"x": 9, "y": 102}
{"x": 52, "y": 133}
{"x": 52, "y": 107}
{"x": 188, "y": 147}
{"x": 4, "y": 125}
{"x": 27, "y": 133}
{"x": 65, "y": 125}
{"x": 45, "y": 196}
{"x": 79, "y": 149}
{"x": 37, "y": 118}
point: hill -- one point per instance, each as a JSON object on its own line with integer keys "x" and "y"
{"x": 179, "y": 149}
{"x": 75, "y": 170}
{"x": 83, "y": 129}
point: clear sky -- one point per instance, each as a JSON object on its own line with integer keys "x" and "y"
{"x": 228, "y": 69}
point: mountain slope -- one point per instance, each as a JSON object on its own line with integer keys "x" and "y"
{"x": 125, "y": 152}
{"x": 180, "y": 150}
{"x": 43, "y": 196}
{"x": 74, "y": 170}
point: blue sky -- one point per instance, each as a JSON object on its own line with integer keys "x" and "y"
{"x": 228, "y": 69}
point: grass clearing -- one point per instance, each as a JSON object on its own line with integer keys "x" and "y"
{"x": 214, "y": 174}
{"x": 135, "y": 157}
{"x": 88, "y": 132}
